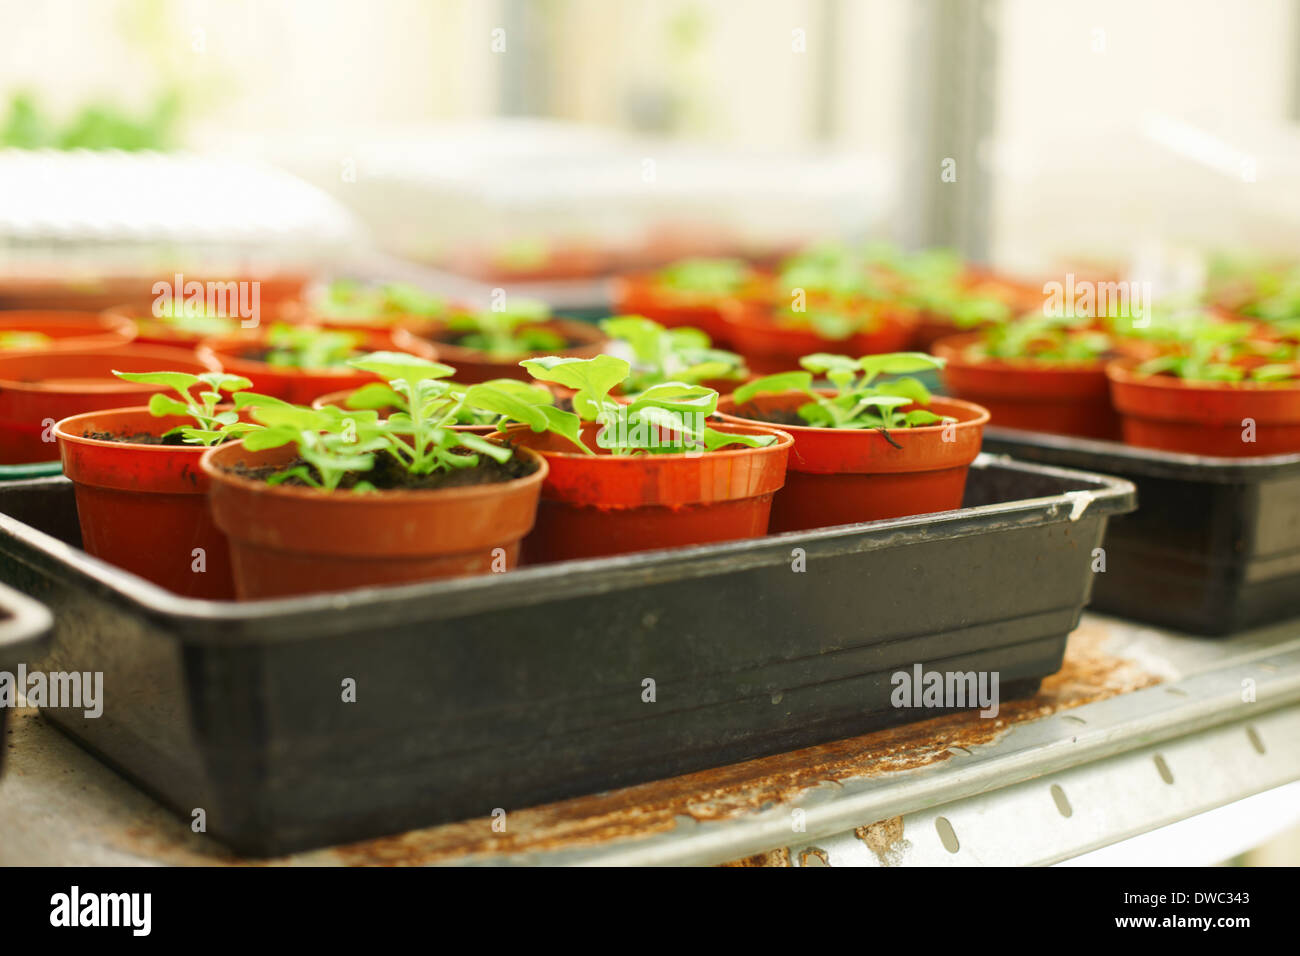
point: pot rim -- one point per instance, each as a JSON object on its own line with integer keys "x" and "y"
{"x": 981, "y": 417}
{"x": 219, "y": 475}
{"x": 1121, "y": 372}
{"x": 784, "y": 440}
{"x": 106, "y": 387}
{"x": 62, "y": 432}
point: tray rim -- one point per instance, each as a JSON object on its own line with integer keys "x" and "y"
{"x": 229, "y": 623}
{"x": 1149, "y": 462}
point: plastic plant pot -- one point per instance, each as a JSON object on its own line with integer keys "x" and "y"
{"x": 1221, "y": 419}
{"x": 770, "y": 346}
{"x": 597, "y": 505}
{"x": 1066, "y": 398}
{"x": 63, "y": 331}
{"x": 237, "y": 354}
{"x": 846, "y": 475}
{"x": 291, "y": 540}
{"x": 143, "y": 506}
{"x": 475, "y": 365}
{"x": 39, "y": 389}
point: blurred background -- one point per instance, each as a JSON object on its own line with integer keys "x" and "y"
{"x": 567, "y": 139}
{"x": 550, "y": 144}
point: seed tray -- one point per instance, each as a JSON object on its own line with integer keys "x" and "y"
{"x": 1214, "y": 546}
{"x": 510, "y": 690}
{"x": 24, "y": 633}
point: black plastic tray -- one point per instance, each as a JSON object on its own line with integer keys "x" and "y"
{"x": 1214, "y": 546}
{"x": 505, "y": 691}
{"x": 25, "y": 627}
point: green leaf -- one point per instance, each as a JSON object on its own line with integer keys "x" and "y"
{"x": 713, "y": 440}
{"x": 161, "y": 405}
{"x": 480, "y": 444}
{"x": 375, "y": 395}
{"x": 898, "y": 363}
{"x": 499, "y": 402}
{"x": 592, "y": 378}
{"x": 780, "y": 382}
{"x": 401, "y": 366}
{"x": 180, "y": 381}
{"x": 678, "y": 396}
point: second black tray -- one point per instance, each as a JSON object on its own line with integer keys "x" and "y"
{"x": 1214, "y": 546}
{"x": 508, "y": 690}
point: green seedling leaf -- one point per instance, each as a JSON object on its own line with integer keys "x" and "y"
{"x": 400, "y": 366}
{"x": 179, "y": 381}
{"x": 780, "y": 382}
{"x": 593, "y": 378}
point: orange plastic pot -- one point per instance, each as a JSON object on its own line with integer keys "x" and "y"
{"x": 846, "y": 475}
{"x": 768, "y": 346}
{"x": 1067, "y": 398}
{"x": 475, "y": 365}
{"x": 287, "y": 540}
{"x": 639, "y": 294}
{"x": 67, "y": 331}
{"x": 597, "y": 505}
{"x": 144, "y": 507}
{"x": 38, "y": 389}
{"x": 236, "y": 354}
{"x": 1205, "y": 418}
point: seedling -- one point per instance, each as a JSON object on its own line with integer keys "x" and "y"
{"x": 350, "y": 299}
{"x": 706, "y": 277}
{"x": 430, "y": 392}
{"x": 294, "y": 346}
{"x": 211, "y": 426}
{"x": 1047, "y": 339}
{"x": 664, "y": 419}
{"x": 193, "y": 319}
{"x": 857, "y": 402}
{"x": 513, "y": 331}
{"x": 335, "y": 443}
{"x": 1220, "y": 352}
{"x": 670, "y": 355}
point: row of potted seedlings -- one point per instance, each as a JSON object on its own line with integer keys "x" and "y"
{"x": 218, "y": 488}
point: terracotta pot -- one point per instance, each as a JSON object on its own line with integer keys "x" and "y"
{"x": 613, "y": 504}
{"x": 769, "y": 347}
{"x": 340, "y": 399}
{"x": 298, "y": 385}
{"x": 847, "y": 475}
{"x": 1067, "y": 398}
{"x": 289, "y": 540}
{"x": 39, "y": 389}
{"x": 144, "y": 507}
{"x": 473, "y": 365}
{"x": 68, "y": 331}
{"x": 1205, "y": 418}
{"x": 639, "y": 294}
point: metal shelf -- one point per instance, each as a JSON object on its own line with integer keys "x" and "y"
{"x": 1140, "y": 729}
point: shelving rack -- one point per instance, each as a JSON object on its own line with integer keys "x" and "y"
{"x": 1140, "y": 729}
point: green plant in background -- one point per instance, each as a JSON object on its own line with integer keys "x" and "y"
{"x": 713, "y": 278}
{"x": 1221, "y": 352}
{"x": 432, "y": 388}
{"x": 1044, "y": 338}
{"x": 294, "y": 346}
{"x": 350, "y": 299}
{"x": 211, "y": 425}
{"x": 858, "y": 402}
{"x": 193, "y": 320}
{"x": 664, "y": 419}
{"x": 21, "y": 340}
{"x": 1280, "y": 303}
{"x": 513, "y": 331}
{"x": 661, "y": 355}
{"x": 95, "y": 126}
